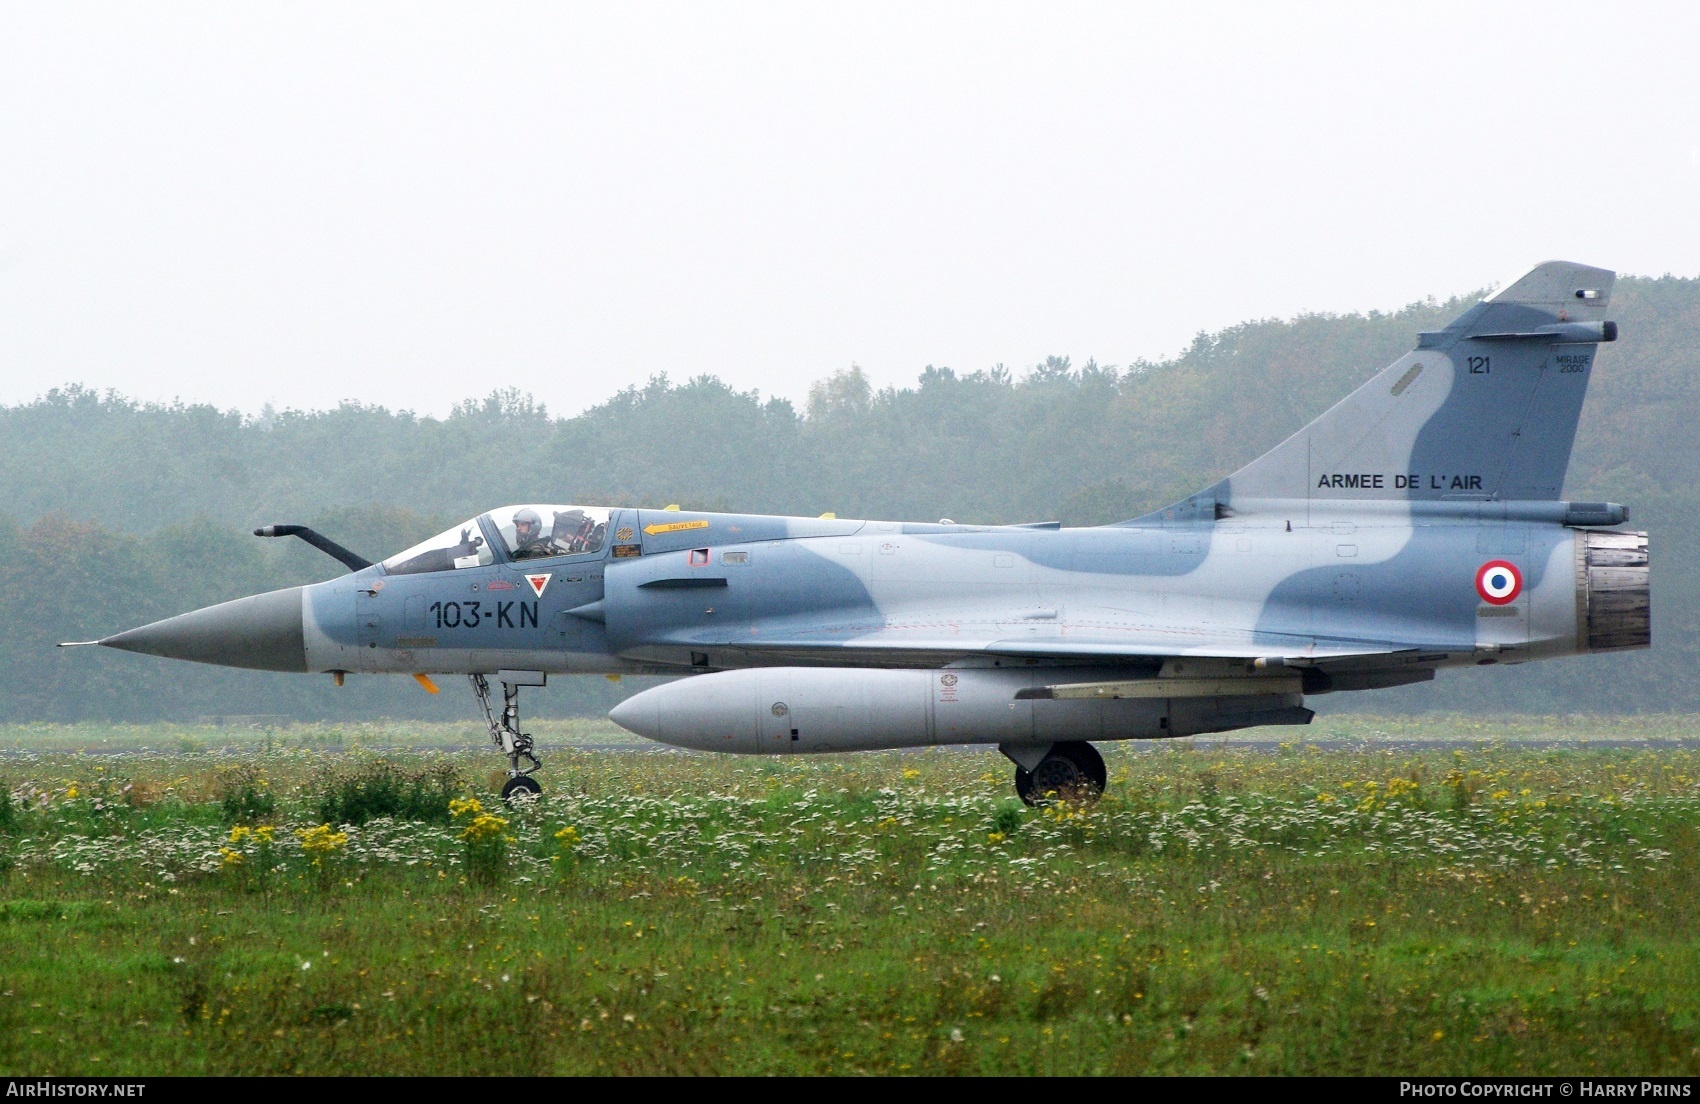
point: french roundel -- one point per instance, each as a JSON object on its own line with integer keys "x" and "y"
{"x": 1499, "y": 582}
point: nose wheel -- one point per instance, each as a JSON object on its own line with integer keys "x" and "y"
{"x": 520, "y": 784}
{"x": 505, "y": 734}
{"x": 1071, "y": 771}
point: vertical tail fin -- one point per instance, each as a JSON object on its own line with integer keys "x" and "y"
{"x": 1485, "y": 409}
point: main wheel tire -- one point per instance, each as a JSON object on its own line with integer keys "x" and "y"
{"x": 1086, "y": 757}
{"x": 1072, "y": 771}
{"x": 521, "y": 784}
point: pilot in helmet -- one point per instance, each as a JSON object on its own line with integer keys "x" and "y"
{"x": 528, "y": 534}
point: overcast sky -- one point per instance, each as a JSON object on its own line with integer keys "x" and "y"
{"x": 413, "y": 204}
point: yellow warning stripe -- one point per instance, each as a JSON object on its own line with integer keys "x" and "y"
{"x": 675, "y": 526}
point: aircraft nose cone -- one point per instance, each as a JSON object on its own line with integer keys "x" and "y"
{"x": 262, "y": 632}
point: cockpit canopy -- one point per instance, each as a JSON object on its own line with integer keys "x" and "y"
{"x": 530, "y": 532}
{"x": 536, "y": 532}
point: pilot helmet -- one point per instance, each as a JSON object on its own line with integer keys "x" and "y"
{"x": 533, "y": 525}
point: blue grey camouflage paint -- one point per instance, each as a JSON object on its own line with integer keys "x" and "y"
{"x": 1415, "y": 525}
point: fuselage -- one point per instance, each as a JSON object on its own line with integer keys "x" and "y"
{"x": 1348, "y": 587}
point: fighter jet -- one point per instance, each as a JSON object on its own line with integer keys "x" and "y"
{"x": 1414, "y": 526}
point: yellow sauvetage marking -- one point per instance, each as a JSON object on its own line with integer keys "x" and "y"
{"x": 676, "y": 526}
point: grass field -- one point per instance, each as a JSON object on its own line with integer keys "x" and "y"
{"x": 1324, "y": 906}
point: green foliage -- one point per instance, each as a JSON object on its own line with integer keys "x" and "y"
{"x": 1008, "y": 817}
{"x": 383, "y": 788}
{"x": 245, "y": 795}
{"x": 24, "y": 910}
{"x": 118, "y": 512}
{"x": 885, "y": 914}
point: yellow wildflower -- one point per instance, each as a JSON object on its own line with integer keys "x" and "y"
{"x": 240, "y": 832}
{"x": 229, "y": 858}
{"x": 460, "y": 806}
{"x": 568, "y": 836}
{"x": 483, "y": 827}
{"x": 321, "y": 841}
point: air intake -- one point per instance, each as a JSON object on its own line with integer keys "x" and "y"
{"x": 1613, "y": 596}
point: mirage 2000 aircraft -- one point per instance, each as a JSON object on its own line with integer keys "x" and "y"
{"x": 1415, "y": 525}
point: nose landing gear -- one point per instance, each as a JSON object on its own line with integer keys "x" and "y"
{"x": 1072, "y": 771}
{"x": 505, "y": 733}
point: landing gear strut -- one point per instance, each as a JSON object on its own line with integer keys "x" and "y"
{"x": 1073, "y": 771}
{"x": 505, "y": 734}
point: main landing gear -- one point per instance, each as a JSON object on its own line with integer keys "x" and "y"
{"x": 1070, "y": 771}
{"x": 505, "y": 734}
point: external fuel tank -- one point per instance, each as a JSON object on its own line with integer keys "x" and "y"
{"x": 805, "y": 710}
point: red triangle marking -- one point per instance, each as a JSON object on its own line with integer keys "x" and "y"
{"x": 538, "y": 582}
